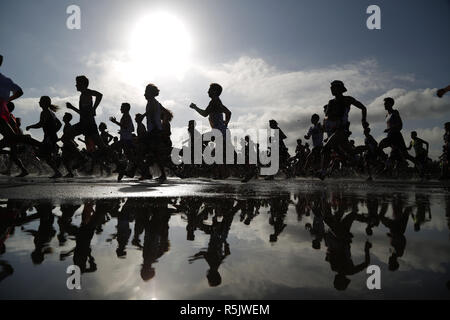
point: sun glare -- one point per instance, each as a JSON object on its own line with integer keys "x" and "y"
{"x": 160, "y": 45}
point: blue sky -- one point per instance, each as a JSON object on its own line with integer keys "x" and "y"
{"x": 252, "y": 47}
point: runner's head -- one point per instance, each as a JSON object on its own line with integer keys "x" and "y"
{"x": 67, "y": 117}
{"x": 102, "y": 126}
{"x": 388, "y": 103}
{"x": 215, "y": 90}
{"x": 337, "y": 88}
{"x": 125, "y": 107}
{"x": 139, "y": 117}
{"x": 413, "y": 134}
{"x": 151, "y": 91}
{"x": 299, "y": 141}
{"x": 315, "y": 118}
{"x": 273, "y": 124}
{"x": 46, "y": 103}
{"x": 82, "y": 83}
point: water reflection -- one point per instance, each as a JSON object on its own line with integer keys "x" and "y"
{"x": 345, "y": 231}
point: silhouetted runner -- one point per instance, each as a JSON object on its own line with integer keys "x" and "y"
{"x": 394, "y": 137}
{"x": 8, "y": 126}
{"x": 337, "y": 123}
{"x": 87, "y": 111}
{"x": 51, "y": 125}
{"x": 215, "y": 111}
{"x": 153, "y": 112}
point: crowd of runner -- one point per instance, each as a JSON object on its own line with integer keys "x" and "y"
{"x": 146, "y": 147}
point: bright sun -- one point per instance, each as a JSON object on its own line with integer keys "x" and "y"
{"x": 160, "y": 45}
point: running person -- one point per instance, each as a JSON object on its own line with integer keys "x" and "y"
{"x": 15, "y": 125}
{"x": 87, "y": 111}
{"x": 70, "y": 150}
{"x": 87, "y": 125}
{"x": 420, "y": 151}
{"x": 394, "y": 137}
{"x": 215, "y": 111}
{"x": 104, "y": 134}
{"x": 153, "y": 112}
{"x": 315, "y": 132}
{"x": 126, "y": 132}
{"x": 337, "y": 123}
{"x": 8, "y": 128}
{"x": 51, "y": 125}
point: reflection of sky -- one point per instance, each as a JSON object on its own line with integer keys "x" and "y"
{"x": 256, "y": 268}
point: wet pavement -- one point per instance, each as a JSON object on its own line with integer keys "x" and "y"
{"x": 213, "y": 239}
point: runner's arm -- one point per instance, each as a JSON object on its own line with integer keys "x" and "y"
{"x": 71, "y": 107}
{"x": 227, "y": 115}
{"x": 427, "y": 144}
{"x": 363, "y": 109}
{"x": 410, "y": 146}
{"x": 98, "y": 98}
{"x": 203, "y": 113}
{"x": 16, "y": 94}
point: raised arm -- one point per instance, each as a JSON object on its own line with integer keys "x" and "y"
{"x": 36, "y": 125}
{"x": 227, "y": 115}
{"x": 16, "y": 94}
{"x": 12, "y": 87}
{"x": 426, "y": 143}
{"x": 113, "y": 120}
{"x": 363, "y": 109}
{"x": 410, "y": 146}
{"x": 98, "y": 98}
{"x": 71, "y": 107}
{"x": 203, "y": 113}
